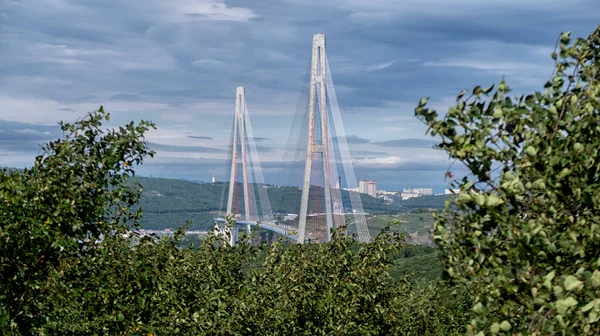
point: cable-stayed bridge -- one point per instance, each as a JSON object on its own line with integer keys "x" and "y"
{"x": 316, "y": 162}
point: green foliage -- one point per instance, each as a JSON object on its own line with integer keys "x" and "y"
{"x": 524, "y": 232}
{"x": 168, "y": 202}
{"x": 417, "y": 227}
{"x": 71, "y": 265}
{"x": 73, "y": 195}
{"x": 155, "y": 287}
{"x": 425, "y": 202}
{"x": 421, "y": 264}
{"x": 285, "y": 199}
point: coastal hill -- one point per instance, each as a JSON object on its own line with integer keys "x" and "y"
{"x": 169, "y": 203}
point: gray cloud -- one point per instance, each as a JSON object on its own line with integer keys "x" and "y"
{"x": 125, "y": 97}
{"x": 13, "y": 130}
{"x": 232, "y": 49}
{"x": 398, "y": 143}
{"x": 258, "y": 139}
{"x": 21, "y": 142}
{"x": 67, "y": 109}
{"x": 179, "y": 62}
{"x": 24, "y": 146}
{"x": 363, "y": 153}
{"x": 264, "y": 149}
{"x": 353, "y": 139}
{"x": 24, "y": 134}
{"x": 194, "y": 149}
{"x": 408, "y": 143}
{"x": 9, "y": 124}
{"x": 199, "y": 137}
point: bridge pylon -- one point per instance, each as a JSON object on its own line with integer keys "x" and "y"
{"x": 317, "y": 142}
{"x": 239, "y": 156}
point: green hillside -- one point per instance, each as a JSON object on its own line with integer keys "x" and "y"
{"x": 425, "y": 202}
{"x": 169, "y": 203}
{"x": 416, "y": 226}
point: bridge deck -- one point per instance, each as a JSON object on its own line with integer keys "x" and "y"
{"x": 270, "y": 225}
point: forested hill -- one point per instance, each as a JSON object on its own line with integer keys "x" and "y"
{"x": 425, "y": 202}
{"x": 170, "y": 202}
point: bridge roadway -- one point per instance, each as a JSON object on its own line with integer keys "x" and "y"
{"x": 281, "y": 229}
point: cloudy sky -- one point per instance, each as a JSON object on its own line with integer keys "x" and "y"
{"x": 178, "y": 62}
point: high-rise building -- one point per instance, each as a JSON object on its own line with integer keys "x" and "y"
{"x": 362, "y": 186}
{"x": 213, "y": 178}
{"x": 372, "y": 188}
{"x": 338, "y": 183}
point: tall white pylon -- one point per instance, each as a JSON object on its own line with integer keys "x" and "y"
{"x": 318, "y": 81}
{"x": 239, "y": 140}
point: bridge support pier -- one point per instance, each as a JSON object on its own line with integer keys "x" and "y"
{"x": 239, "y": 139}
{"x": 317, "y": 143}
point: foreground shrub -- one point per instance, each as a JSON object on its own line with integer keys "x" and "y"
{"x": 524, "y": 231}
{"x": 314, "y": 289}
{"x": 71, "y": 263}
{"x": 73, "y": 195}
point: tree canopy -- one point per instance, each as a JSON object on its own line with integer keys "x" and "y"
{"x": 70, "y": 263}
{"x": 524, "y": 233}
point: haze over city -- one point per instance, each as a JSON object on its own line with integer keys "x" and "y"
{"x": 177, "y": 63}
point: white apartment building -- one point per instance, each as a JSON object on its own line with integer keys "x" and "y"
{"x": 368, "y": 187}
{"x": 415, "y": 192}
{"x": 372, "y": 188}
{"x": 387, "y": 193}
{"x": 362, "y": 186}
{"x": 406, "y": 196}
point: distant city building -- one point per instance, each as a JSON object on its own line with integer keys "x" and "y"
{"x": 422, "y": 191}
{"x": 406, "y": 195}
{"x": 415, "y": 192}
{"x": 451, "y": 191}
{"x": 213, "y": 178}
{"x": 367, "y": 187}
{"x": 372, "y": 188}
{"x": 388, "y": 193}
{"x": 338, "y": 183}
{"x": 362, "y": 186}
